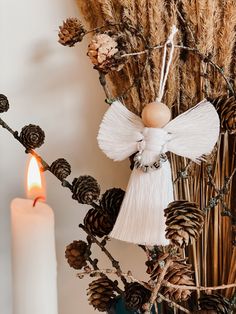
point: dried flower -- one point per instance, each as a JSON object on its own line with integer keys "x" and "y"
{"x": 32, "y": 136}
{"x": 60, "y": 168}
{"x": 4, "y": 104}
{"x": 71, "y": 32}
{"x": 77, "y": 254}
{"x": 105, "y": 52}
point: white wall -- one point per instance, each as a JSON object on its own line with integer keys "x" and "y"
{"x": 55, "y": 87}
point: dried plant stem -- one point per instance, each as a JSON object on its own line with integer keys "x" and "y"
{"x": 114, "y": 262}
{"x": 158, "y": 284}
{"x": 200, "y": 288}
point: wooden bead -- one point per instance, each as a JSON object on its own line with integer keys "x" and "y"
{"x": 156, "y": 115}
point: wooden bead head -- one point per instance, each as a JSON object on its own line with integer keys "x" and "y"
{"x": 156, "y": 115}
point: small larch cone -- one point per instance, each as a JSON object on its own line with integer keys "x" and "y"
{"x": 111, "y": 202}
{"x": 98, "y": 223}
{"x": 178, "y": 273}
{"x": 85, "y": 189}
{"x": 71, "y": 32}
{"x": 105, "y": 54}
{"x": 60, "y": 168}
{"x": 184, "y": 221}
{"x": 226, "y": 108}
{"x": 77, "y": 254}
{"x": 32, "y": 136}
{"x": 4, "y": 104}
{"x": 135, "y": 296}
{"x": 215, "y": 302}
{"x": 101, "y": 293}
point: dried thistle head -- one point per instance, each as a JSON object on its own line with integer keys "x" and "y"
{"x": 71, "y": 32}
{"x": 105, "y": 52}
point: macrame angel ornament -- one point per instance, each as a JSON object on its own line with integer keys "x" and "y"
{"x": 192, "y": 134}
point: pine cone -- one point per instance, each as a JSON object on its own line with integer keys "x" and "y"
{"x": 205, "y": 312}
{"x": 32, "y": 136}
{"x": 77, "y": 254}
{"x": 136, "y": 296}
{"x": 215, "y": 302}
{"x": 101, "y": 293}
{"x": 98, "y": 223}
{"x": 111, "y": 202}
{"x": 4, "y": 104}
{"x": 179, "y": 273}
{"x": 60, "y": 168}
{"x": 184, "y": 222}
{"x": 85, "y": 189}
{"x": 226, "y": 108}
{"x": 71, "y": 32}
{"x": 105, "y": 52}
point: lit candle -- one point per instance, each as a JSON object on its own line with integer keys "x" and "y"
{"x": 33, "y": 250}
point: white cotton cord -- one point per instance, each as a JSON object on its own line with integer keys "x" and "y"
{"x": 165, "y": 71}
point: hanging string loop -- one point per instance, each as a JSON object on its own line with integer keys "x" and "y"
{"x": 165, "y": 68}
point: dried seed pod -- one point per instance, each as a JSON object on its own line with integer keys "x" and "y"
{"x": 105, "y": 52}
{"x": 136, "y": 296}
{"x": 184, "y": 222}
{"x": 4, "y": 104}
{"x": 179, "y": 273}
{"x": 111, "y": 202}
{"x": 32, "y": 136}
{"x": 215, "y": 302}
{"x": 97, "y": 223}
{"x": 77, "y": 254}
{"x": 226, "y": 108}
{"x": 101, "y": 293}
{"x": 60, "y": 168}
{"x": 85, "y": 189}
{"x": 71, "y": 32}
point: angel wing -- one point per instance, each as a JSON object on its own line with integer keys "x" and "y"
{"x": 194, "y": 132}
{"x": 119, "y": 132}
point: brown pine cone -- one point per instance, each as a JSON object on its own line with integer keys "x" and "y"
{"x": 135, "y": 296}
{"x": 184, "y": 221}
{"x": 179, "y": 273}
{"x": 4, "y": 104}
{"x": 60, "y": 168}
{"x": 101, "y": 293}
{"x": 71, "y": 32}
{"x": 215, "y": 302}
{"x": 111, "y": 202}
{"x": 105, "y": 52}
{"x": 77, "y": 254}
{"x": 226, "y": 108}
{"x": 32, "y": 136}
{"x": 85, "y": 189}
{"x": 98, "y": 223}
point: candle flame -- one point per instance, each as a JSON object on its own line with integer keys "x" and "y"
{"x": 34, "y": 180}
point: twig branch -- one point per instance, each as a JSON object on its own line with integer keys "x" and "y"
{"x": 158, "y": 285}
{"x": 129, "y": 275}
{"x": 114, "y": 262}
{"x": 201, "y": 288}
{"x": 44, "y": 164}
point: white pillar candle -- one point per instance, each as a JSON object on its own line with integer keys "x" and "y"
{"x": 34, "y": 258}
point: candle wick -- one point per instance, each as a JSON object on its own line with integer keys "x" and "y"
{"x": 37, "y": 199}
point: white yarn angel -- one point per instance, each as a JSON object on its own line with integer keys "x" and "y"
{"x": 192, "y": 134}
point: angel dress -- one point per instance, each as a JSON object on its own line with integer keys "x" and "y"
{"x": 192, "y": 134}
